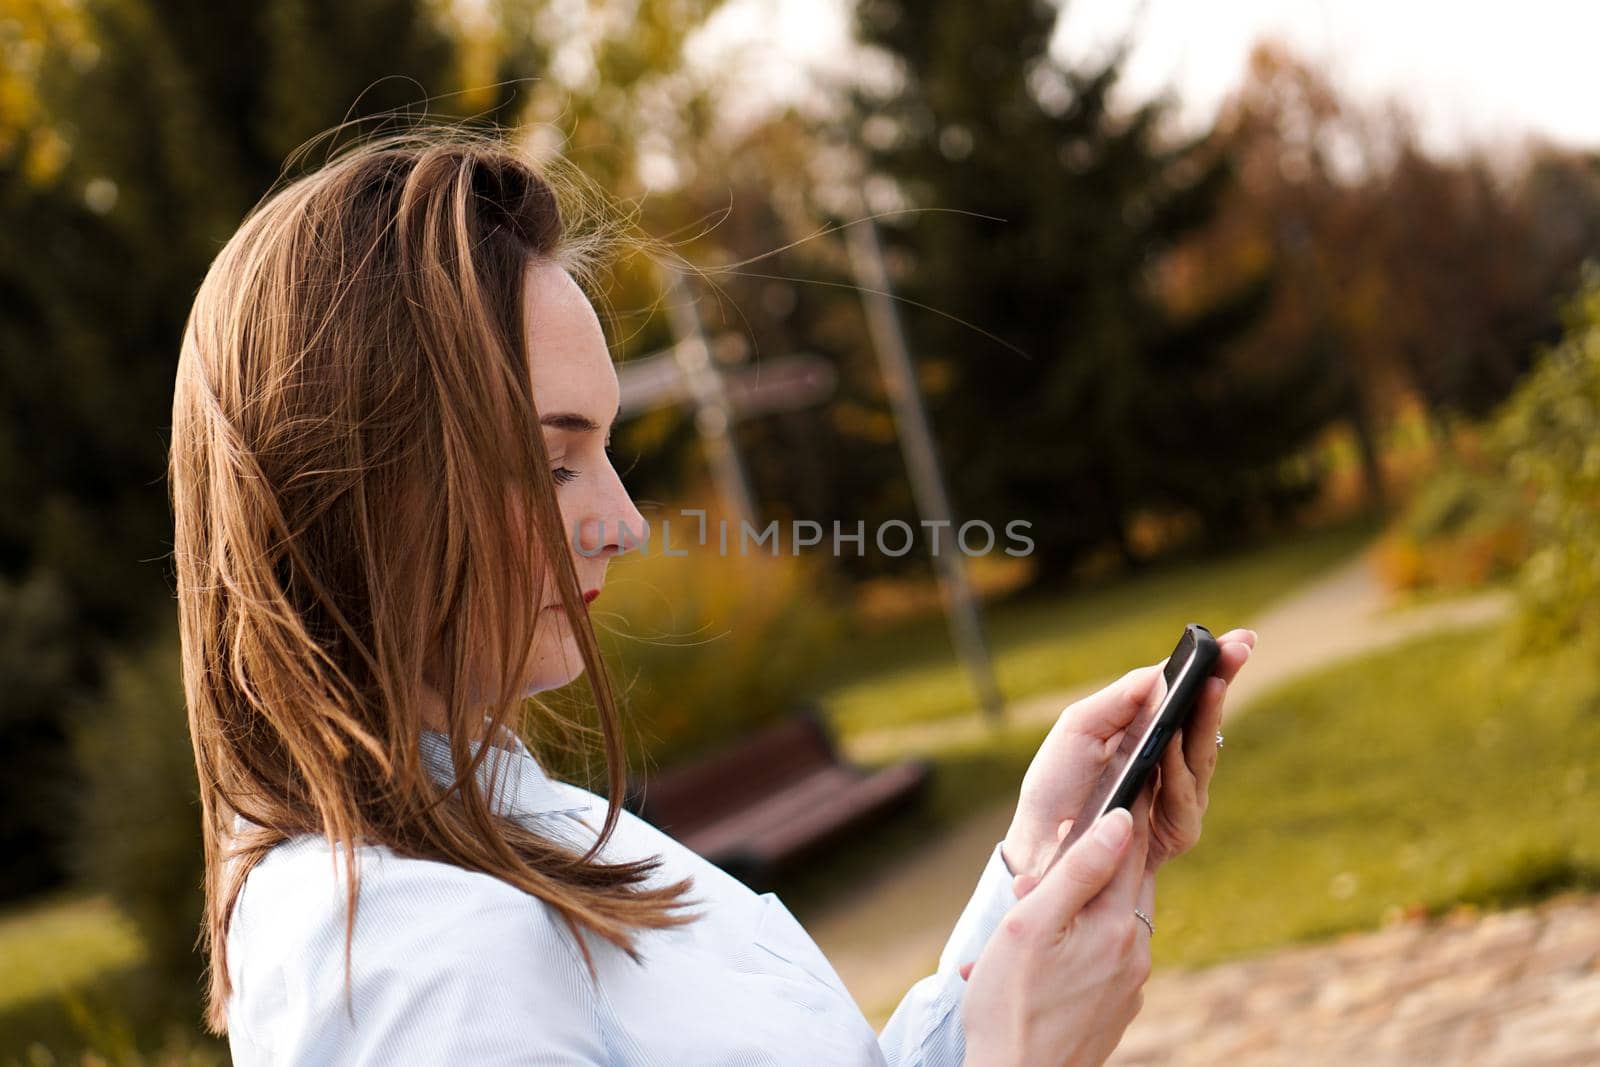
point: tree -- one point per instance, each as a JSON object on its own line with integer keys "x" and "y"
{"x": 1053, "y": 214}
{"x": 1471, "y": 296}
{"x": 134, "y": 135}
{"x": 1299, "y": 203}
{"x": 773, "y": 281}
{"x": 1422, "y": 277}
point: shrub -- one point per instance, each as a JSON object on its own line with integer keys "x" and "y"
{"x": 38, "y": 677}
{"x": 1548, "y": 436}
{"x": 1465, "y": 526}
{"x": 705, "y": 648}
{"x": 139, "y": 819}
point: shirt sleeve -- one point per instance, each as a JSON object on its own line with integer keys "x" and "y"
{"x": 925, "y": 1029}
{"x": 450, "y": 967}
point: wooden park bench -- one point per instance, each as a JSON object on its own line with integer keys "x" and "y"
{"x": 758, "y": 804}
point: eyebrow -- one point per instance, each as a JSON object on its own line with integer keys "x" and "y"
{"x": 573, "y": 421}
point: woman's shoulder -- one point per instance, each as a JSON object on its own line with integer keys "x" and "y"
{"x": 293, "y": 908}
{"x": 440, "y": 956}
{"x": 307, "y": 874}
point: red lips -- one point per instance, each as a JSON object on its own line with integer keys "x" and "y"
{"x": 588, "y": 598}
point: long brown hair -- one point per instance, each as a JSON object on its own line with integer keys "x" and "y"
{"x": 352, "y": 408}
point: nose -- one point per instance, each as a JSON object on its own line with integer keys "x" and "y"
{"x": 627, "y": 529}
{"x": 613, "y": 526}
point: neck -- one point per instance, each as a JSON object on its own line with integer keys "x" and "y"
{"x": 434, "y": 718}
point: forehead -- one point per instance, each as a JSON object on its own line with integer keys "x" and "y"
{"x": 569, "y": 362}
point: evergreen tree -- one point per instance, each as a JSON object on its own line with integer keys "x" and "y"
{"x": 1055, "y": 211}
{"x": 152, "y": 126}
{"x": 134, "y": 135}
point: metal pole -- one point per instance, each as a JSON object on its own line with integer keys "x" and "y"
{"x": 922, "y": 461}
{"x": 713, "y": 413}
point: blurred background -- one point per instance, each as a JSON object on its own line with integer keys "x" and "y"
{"x": 1279, "y": 315}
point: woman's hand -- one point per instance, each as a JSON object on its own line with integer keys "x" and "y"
{"x": 1062, "y": 976}
{"x": 1085, "y": 737}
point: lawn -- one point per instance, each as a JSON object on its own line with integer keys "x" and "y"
{"x": 909, "y": 674}
{"x": 1439, "y": 773}
{"x": 68, "y": 944}
{"x": 61, "y": 942}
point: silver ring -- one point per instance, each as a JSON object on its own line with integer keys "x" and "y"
{"x": 1219, "y": 738}
{"x": 1149, "y": 923}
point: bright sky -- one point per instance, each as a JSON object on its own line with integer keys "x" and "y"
{"x": 1473, "y": 71}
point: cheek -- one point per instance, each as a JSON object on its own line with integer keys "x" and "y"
{"x": 520, "y": 516}
{"x": 572, "y": 510}
{"x": 554, "y": 624}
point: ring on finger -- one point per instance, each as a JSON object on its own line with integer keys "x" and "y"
{"x": 1149, "y": 923}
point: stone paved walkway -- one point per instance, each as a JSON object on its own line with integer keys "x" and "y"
{"x": 1508, "y": 989}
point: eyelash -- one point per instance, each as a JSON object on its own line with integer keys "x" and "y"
{"x": 563, "y": 475}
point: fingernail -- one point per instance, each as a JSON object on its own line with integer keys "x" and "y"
{"x": 1114, "y": 827}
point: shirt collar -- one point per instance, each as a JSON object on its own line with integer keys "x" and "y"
{"x": 523, "y": 787}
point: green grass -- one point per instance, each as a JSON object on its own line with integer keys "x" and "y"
{"x": 1439, "y": 773}
{"x": 72, "y": 966}
{"x": 60, "y": 943}
{"x": 909, "y": 674}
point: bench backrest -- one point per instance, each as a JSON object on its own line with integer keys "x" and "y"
{"x": 735, "y": 776}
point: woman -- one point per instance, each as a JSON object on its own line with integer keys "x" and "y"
{"x": 391, "y": 405}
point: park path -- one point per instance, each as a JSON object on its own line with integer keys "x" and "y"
{"x": 885, "y": 933}
{"x": 1517, "y": 988}
{"x": 1342, "y": 614}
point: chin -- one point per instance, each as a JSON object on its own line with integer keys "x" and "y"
{"x": 557, "y": 667}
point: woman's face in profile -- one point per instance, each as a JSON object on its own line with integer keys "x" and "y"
{"x": 575, "y": 389}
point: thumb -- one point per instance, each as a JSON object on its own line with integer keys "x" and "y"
{"x": 1089, "y": 865}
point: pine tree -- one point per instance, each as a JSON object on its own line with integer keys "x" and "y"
{"x": 134, "y": 136}
{"x": 1054, "y": 210}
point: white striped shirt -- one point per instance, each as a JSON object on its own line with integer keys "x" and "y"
{"x": 451, "y": 966}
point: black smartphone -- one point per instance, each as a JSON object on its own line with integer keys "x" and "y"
{"x": 1171, "y": 701}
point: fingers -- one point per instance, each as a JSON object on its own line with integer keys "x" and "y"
{"x": 1239, "y": 634}
{"x": 1123, "y": 887}
{"x": 1177, "y": 775}
{"x": 1022, "y": 884}
{"x": 1088, "y": 866}
{"x": 1104, "y": 713}
{"x": 1200, "y": 735}
{"x": 1232, "y": 656}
